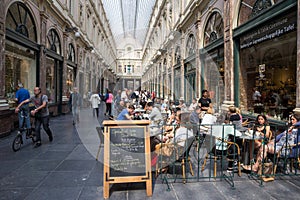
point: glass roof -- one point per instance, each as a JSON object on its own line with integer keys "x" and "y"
{"x": 129, "y": 18}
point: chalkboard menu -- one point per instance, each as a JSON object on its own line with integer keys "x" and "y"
{"x": 127, "y": 151}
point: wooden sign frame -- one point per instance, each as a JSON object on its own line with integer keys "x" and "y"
{"x": 107, "y": 178}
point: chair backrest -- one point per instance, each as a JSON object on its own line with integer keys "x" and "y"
{"x": 222, "y": 132}
{"x": 187, "y": 147}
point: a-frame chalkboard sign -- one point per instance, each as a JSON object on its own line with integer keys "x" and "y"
{"x": 127, "y": 155}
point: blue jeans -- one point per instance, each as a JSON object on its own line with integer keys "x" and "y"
{"x": 75, "y": 112}
{"x": 24, "y": 116}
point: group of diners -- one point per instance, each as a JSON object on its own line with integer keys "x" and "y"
{"x": 174, "y": 124}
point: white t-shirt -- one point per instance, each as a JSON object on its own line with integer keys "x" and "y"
{"x": 209, "y": 119}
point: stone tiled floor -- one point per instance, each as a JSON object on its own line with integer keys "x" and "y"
{"x": 67, "y": 169}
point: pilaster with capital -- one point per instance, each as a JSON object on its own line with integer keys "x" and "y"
{"x": 182, "y": 89}
{"x": 198, "y": 62}
{"x": 42, "y": 71}
{"x": 228, "y": 54}
{"x": 65, "y": 53}
{"x": 2, "y": 59}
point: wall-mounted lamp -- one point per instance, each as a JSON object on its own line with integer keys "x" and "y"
{"x": 151, "y": 62}
{"x": 171, "y": 37}
{"x": 72, "y": 29}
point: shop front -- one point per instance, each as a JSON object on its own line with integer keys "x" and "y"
{"x": 21, "y": 56}
{"x": 54, "y": 72}
{"x": 266, "y": 55}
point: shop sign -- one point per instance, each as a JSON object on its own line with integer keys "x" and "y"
{"x": 274, "y": 29}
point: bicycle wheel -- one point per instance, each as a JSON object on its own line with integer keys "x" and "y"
{"x": 17, "y": 143}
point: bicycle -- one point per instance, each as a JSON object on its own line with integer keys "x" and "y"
{"x": 18, "y": 140}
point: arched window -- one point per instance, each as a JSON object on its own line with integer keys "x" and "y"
{"x": 250, "y": 8}
{"x": 19, "y": 19}
{"x": 213, "y": 29}
{"x": 177, "y": 54}
{"x": 53, "y": 42}
{"x": 71, "y": 53}
{"x": 191, "y": 45}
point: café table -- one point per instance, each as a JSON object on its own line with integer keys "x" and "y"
{"x": 247, "y": 138}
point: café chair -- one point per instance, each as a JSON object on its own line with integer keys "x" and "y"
{"x": 292, "y": 163}
{"x": 172, "y": 155}
{"x": 223, "y": 148}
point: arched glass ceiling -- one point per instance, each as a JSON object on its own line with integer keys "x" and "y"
{"x": 129, "y": 18}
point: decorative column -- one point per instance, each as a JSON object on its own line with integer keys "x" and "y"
{"x": 64, "y": 77}
{"x": 228, "y": 55}
{"x": 182, "y": 88}
{"x": 6, "y": 115}
{"x": 2, "y": 58}
{"x": 297, "y": 109}
{"x": 197, "y": 57}
{"x": 172, "y": 73}
{"x": 42, "y": 67}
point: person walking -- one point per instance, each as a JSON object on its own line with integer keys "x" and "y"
{"x": 76, "y": 104}
{"x": 40, "y": 113}
{"x": 109, "y": 99}
{"x": 22, "y": 94}
{"x": 95, "y": 101}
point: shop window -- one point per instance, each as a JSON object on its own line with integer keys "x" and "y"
{"x": 20, "y": 61}
{"x": 270, "y": 68}
{"x": 51, "y": 79}
{"x": 70, "y": 78}
{"x": 20, "y": 20}
{"x": 20, "y": 67}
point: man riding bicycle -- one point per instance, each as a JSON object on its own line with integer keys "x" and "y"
{"x": 23, "y": 115}
{"x": 40, "y": 113}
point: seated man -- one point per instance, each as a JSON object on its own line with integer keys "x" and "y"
{"x": 127, "y": 113}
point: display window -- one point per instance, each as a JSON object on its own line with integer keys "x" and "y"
{"x": 70, "y": 78}
{"x": 52, "y": 80}
{"x": 20, "y": 67}
{"x": 268, "y": 68}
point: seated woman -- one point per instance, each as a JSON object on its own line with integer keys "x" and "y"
{"x": 171, "y": 124}
{"x": 261, "y": 127}
{"x": 287, "y": 137}
{"x": 182, "y": 133}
